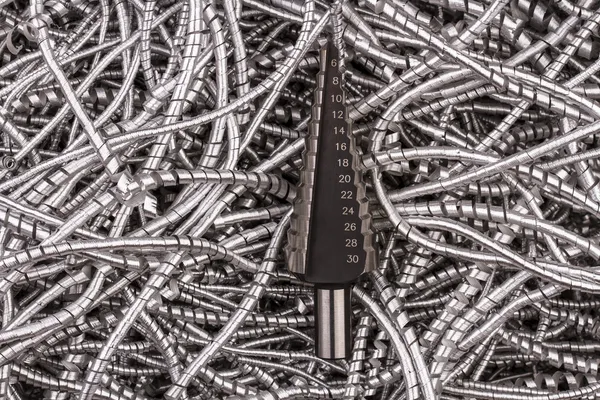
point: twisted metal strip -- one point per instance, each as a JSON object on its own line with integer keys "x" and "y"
{"x": 150, "y": 154}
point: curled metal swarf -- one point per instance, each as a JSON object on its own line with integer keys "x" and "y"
{"x": 150, "y": 155}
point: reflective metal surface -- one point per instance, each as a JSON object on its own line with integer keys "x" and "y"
{"x": 151, "y": 155}
{"x": 333, "y": 338}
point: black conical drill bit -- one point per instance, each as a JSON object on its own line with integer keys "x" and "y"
{"x": 330, "y": 241}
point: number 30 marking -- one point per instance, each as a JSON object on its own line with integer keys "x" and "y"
{"x": 351, "y": 259}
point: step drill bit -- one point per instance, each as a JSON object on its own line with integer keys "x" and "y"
{"x": 330, "y": 241}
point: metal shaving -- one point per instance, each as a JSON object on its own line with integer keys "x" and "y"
{"x": 150, "y": 152}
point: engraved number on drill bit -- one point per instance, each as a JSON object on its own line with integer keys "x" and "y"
{"x": 345, "y": 178}
{"x": 346, "y": 195}
{"x": 349, "y": 226}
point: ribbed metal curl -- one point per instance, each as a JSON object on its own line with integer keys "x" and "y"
{"x": 150, "y": 155}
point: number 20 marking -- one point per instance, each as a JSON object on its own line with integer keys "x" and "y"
{"x": 344, "y": 178}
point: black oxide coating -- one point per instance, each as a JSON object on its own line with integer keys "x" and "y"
{"x": 336, "y": 254}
